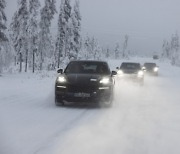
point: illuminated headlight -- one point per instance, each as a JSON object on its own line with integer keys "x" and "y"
{"x": 155, "y": 69}
{"x": 120, "y": 72}
{"x": 140, "y": 73}
{"x": 61, "y": 79}
{"x": 104, "y": 80}
{"x": 144, "y": 68}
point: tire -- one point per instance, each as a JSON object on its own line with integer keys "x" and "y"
{"x": 59, "y": 102}
{"x": 107, "y": 103}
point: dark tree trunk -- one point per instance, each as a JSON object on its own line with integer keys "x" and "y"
{"x": 20, "y": 70}
{"x": 33, "y": 60}
{"x": 26, "y": 60}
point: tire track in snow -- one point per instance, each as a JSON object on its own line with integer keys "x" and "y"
{"x": 62, "y": 132}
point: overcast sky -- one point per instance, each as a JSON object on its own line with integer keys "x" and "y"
{"x": 146, "y": 22}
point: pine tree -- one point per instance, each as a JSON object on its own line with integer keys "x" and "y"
{"x": 107, "y": 55}
{"x": 68, "y": 34}
{"x": 76, "y": 21}
{"x": 63, "y": 42}
{"x": 19, "y": 28}
{"x": 3, "y": 37}
{"x": 3, "y": 20}
{"x": 33, "y": 30}
{"x": 45, "y": 44}
{"x": 125, "y": 44}
{"x": 117, "y": 51}
{"x": 166, "y": 50}
{"x": 87, "y": 48}
{"x": 61, "y": 34}
{"x": 175, "y": 59}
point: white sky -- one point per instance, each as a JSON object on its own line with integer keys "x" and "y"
{"x": 147, "y": 22}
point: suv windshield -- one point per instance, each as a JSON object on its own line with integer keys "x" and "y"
{"x": 133, "y": 66}
{"x": 87, "y": 67}
{"x": 149, "y": 65}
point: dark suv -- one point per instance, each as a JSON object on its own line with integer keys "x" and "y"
{"x": 85, "y": 81}
{"x": 132, "y": 71}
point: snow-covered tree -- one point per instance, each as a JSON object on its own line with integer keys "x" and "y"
{"x": 19, "y": 32}
{"x": 60, "y": 42}
{"x": 117, "y": 51}
{"x": 175, "y": 59}
{"x": 166, "y": 50}
{"x": 76, "y": 28}
{"x": 125, "y": 44}
{"x": 3, "y": 37}
{"x": 45, "y": 43}
{"x": 107, "y": 54}
{"x": 63, "y": 42}
{"x": 87, "y": 48}
{"x": 95, "y": 51}
{"x": 3, "y": 20}
{"x": 33, "y": 30}
{"x": 90, "y": 49}
{"x": 172, "y": 50}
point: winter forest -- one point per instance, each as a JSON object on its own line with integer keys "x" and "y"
{"x": 27, "y": 44}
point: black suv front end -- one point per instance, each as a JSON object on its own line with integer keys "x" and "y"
{"x": 86, "y": 84}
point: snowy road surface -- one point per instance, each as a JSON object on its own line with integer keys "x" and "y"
{"x": 143, "y": 120}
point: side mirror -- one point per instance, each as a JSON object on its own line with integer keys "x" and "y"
{"x": 113, "y": 73}
{"x": 117, "y": 68}
{"x": 60, "y": 71}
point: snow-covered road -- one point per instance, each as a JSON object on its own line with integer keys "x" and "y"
{"x": 143, "y": 120}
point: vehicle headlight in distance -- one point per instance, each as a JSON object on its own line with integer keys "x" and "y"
{"x": 120, "y": 72}
{"x": 105, "y": 80}
{"x": 140, "y": 73}
{"x": 61, "y": 79}
{"x": 144, "y": 68}
{"x": 156, "y": 69}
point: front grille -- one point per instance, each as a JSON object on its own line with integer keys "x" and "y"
{"x": 81, "y": 88}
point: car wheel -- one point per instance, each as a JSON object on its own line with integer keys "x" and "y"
{"x": 107, "y": 102}
{"x": 59, "y": 102}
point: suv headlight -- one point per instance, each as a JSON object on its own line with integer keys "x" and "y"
{"x": 120, "y": 72}
{"x": 61, "y": 79}
{"x": 140, "y": 74}
{"x": 155, "y": 69}
{"x": 104, "y": 80}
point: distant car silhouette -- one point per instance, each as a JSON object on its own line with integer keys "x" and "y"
{"x": 131, "y": 71}
{"x": 151, "y": 68}
{"x": 155, "y": 57}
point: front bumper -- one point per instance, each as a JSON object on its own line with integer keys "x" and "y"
{"x": 151, "y": 72}
{"x": 83, "y": 94}
{"x": 131, "y": 77}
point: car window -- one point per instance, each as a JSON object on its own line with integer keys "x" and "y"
{"x": 87, "y": 67}
{"x": 130, "y": 66}
{"x": 149, "y": 65}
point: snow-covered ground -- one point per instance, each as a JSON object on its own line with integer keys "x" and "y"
{"x": 143, "y": 120}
